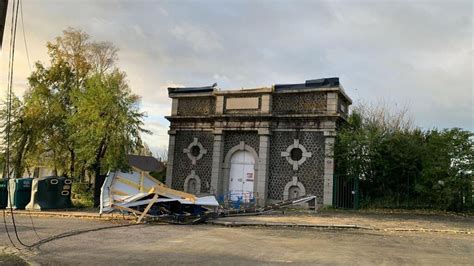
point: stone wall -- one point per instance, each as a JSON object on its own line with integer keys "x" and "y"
{"x": 182, "y": 164}
{"x": 196, "y": 106}
{"x": 272, "y": 121}
{"x": 233, "y": 138}
{"x": 299, "y": 103}
{"x": 310, "y": 173}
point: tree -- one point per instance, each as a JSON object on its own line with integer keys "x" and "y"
{"x": 78, "y": 113}
{"x": 107, "y": 123}
{"x": 143, "y": 150}
{"x": 402, "y": 166}
{"x": 163, "y": 154}
{"x": 448, "y": 164}
{"x": 21, "y": 136}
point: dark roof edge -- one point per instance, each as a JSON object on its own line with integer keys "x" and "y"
{"x": 309, "y": 84}
{"x": 192, "y": 89}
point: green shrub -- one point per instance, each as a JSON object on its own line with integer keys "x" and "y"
{"x": 82, "y": 195}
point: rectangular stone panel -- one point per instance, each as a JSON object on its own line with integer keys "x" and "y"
{"x": 242, "y": 103}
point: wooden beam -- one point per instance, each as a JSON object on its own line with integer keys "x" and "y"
{"x": 168, "y": 192}
{"x": 120, "y": 193}
{"x": 128, "y": 182}
{"x": 148, "y": 207}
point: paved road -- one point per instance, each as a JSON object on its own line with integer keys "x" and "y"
{"x": 88, "y": 242}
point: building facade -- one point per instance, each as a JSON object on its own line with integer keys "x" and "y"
{"x": 267, "y": 144}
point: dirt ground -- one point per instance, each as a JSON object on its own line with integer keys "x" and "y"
{"x": 68, "y": 241}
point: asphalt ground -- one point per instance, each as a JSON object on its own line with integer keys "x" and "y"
{"x": 73, "y": 241}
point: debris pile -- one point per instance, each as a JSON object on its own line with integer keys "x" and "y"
{"x": 269, "y": 208}
{"x": 141, "y": 195}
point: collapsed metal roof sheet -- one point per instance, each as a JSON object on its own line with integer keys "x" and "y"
{"x": 127, "y": 190}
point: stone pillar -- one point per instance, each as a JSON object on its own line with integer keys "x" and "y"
{"x": 332, "y": 102}
{"x": 263, "y": 164}
{"x": 328, "y": 166}
{"x": 219, "y": 104}
{"x": 266, "y": 103}
{"x": 174, "y": 106}
{"x": 217, "y": 158}
{"x": 169, "y": 163}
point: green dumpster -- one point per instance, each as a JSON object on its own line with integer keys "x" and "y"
{"x": 20, "y": 192}
{"x": 3, "y": 194}
{"x": 52, "y": 192}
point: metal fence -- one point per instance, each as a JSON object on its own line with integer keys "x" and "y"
{"x": 346, "y": 194}
{"x": 238, "y": 200}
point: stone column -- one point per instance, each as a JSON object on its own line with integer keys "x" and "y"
{"x": 332, "y": 102}
{"x": 217, "y": 158}
{"x": 219, "y": 104}
{"x": 174, "y": 106}
{"x": 169, "y": 164}
{"x": 328, "y": 166}
{"x": 266, "y": 104}
{"x": 263, "y": 164}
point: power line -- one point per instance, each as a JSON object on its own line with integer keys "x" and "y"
{"x": 24, "y": 35}
{"x": 9, "y": 114}
{"x": 7, "y": 151}
{"x": 29, "y": 66}
{"x": 6, "y": 229}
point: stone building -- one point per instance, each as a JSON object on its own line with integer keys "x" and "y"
{"x": 269, "y": 144}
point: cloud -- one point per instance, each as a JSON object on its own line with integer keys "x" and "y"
{"x": 416, "y": 53}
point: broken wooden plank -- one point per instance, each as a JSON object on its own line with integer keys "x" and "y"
{"x": 168, "y": 192}
{"x": 148, "y": 207}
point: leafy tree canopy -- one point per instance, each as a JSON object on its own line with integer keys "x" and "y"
{"x": 79, "y": 113}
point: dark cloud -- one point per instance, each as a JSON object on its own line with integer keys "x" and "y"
{"x": 404, "y": 52}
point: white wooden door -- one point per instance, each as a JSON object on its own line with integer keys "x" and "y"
{"x": 242, "y": 175}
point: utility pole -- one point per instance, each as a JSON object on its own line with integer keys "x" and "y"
{"x": 3, "y": 18}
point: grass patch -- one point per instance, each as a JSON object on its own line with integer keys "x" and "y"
{"x": 82, "y": 195}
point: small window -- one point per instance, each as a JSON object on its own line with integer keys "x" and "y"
{"x": 296, "y": 154}
{"x": 294, "y": 192}
{"x": 192, "y": 186}
{"x": 195, "y": 151}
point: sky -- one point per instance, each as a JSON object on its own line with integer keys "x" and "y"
{"x": 414, "y": 54}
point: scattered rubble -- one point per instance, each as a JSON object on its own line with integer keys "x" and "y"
{"x": 139, "y": 194}
{"x": 269, "y": 208}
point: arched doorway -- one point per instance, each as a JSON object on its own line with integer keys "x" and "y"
{"x": 242, "y": 175}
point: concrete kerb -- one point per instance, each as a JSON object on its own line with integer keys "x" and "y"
{"x": 332, "y": 227}
{"x": 79, "y": 215}
{"x": 295, "y": 225}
